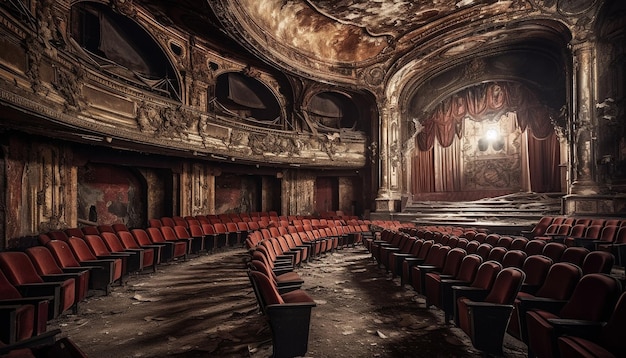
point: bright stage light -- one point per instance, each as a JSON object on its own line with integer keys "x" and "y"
{"x": 492, "y": 134}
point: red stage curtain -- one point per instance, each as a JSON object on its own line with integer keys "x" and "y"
{"x": 489, "y": 100}
{"x": 543, "y": 163}
{"x": 423, "y": 172}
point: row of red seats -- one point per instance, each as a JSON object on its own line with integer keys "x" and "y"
{"x": 268, "y": 217}
{"x": 594, "y": 234}
{"x": 30, "y": 296}
{"x": 275, "y": 252}
{"x": 399, "y": 253}
{"x": 347, "y": 235}
{"x": 278, "y": 288}
{"x": 444, "y": 267}
{"x": 88, "y": 258}
{"x": 541, "y": 226}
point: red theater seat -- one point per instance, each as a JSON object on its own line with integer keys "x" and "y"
{"x": 598, "y": 340}
{"x": 484, "y": 318}
{"x": 593, "y": 300}
{"x": 46, "y": 265}
{"x": 22, "y": 274}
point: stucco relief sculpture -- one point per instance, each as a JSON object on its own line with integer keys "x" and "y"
{"x": 329, "y": 143}
{"x": 167, "y": 122}
{"x": 48, "y": 28}
{"x": 583, "y": 144}
{"x": 263, "y": 144}
{"x": 124, "y": 7}
{"x": 34, "y": 51}
{"x": 70, "y": 86}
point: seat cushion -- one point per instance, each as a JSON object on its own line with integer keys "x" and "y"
{"x": 573, "y": 347}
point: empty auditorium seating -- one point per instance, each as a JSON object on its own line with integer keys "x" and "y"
{"x": 46, "y": 265}
{"x": 597, "y": 340}
{"x": 135, "y": 258}
{"x": 464, "y": 275}
{"x": 484, "y": 318}
{"x": 485, "y": 275}
{"x": 514, "y": 258}
{"x": 101, "y": 251}
{"x": 445, "y": 260}
{"x": 101, "y": 273}
{"x": 284, "y": 283}
{"x": 575, "y": 255}
{"x": 23, "y": 315}
{"x": 195, "y": 242}
{"x": 410, "y": 261}
{"x": 558, "y": 285}
{"x": 288, "y": 315}
{"x": 593, "y": 300}
{"x": 112, "y": 266}
{"x": 536, "y": 268}
{"x": 21, "y": 272}
{"x": 174, "y": 248}
{"x": 150, "y": 254}
{"x": 554, "y": 250}
{"x": 539, "y": 228}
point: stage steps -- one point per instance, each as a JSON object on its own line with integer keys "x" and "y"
{"x": 511, "y": 213}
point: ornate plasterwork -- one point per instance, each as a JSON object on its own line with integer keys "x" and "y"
{"x": 167, "y": 122}
{"x": 69, "y": 85}
{"x": 124, "y": 7}
{"x": 273, "y": 144}
{"x": 57, "y": 81}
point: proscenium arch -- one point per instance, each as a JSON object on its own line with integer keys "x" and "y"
{"x": 539, "y": 63}
{"x": 155, "y": 47}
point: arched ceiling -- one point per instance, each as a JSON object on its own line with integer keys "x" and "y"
{"x": 382, "y": 44}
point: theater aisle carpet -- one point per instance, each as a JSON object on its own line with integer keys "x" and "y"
{"x": 205, "y": 307}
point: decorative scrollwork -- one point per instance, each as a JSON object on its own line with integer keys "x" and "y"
{"x": 69, "y": 84}
{"x": 167, "y": 122}
{"x": 261, "y": 144}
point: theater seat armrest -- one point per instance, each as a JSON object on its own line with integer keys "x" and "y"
{"x": 102, "y": 264}
{"x": 118, "y": 255}
{"x": 545, "y": 304}
{"x": 444, "y": 277}
{"x": 40, "y": 289}
{"x": 531, "y": 289}
{"x": 412, "y": 261}
{"x": 281, "y": 270}
{"x": 42, "y": 339}
{"x": 399, "y": 254}
{"x": 472, "y": 293}
{"x": 92, "y": 266}
{"x": 25, "y": 300}
{"x": 76, "y": 270}
{"x": 454, "y": 282}
{"x": 590, "y": 330}
{"x": 285, "y": 306}
{"x": 282, "y": 289}
{"x": 59, "y": 277}
{"x": 487, "y": 305}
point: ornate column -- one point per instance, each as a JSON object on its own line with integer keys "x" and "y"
{"x": 384, "y": 200}
{"x": 587, "y": 196}
{"x": 583, "y": 121}
{"x": 388, "y": 198}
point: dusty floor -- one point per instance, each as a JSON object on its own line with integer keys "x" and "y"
{"x": 205, "y": 307}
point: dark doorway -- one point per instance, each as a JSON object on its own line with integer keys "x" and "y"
{"x": 326, "y": 194}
